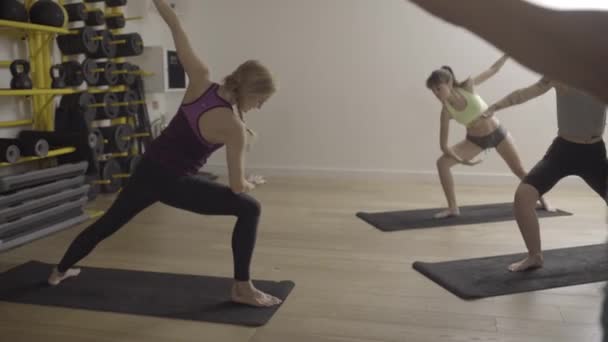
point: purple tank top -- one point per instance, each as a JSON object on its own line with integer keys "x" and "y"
{"x": 180, "y": 147}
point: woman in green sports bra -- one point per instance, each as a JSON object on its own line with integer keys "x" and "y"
{"x": 461, "y": 103}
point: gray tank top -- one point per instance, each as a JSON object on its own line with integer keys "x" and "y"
{"x": 579, "y": 115}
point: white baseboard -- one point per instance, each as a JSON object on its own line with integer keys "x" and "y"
{"x": 427, "y": 177}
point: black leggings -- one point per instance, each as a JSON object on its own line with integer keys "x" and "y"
{"x": 564, "y": 159}
{"x": 152, "y": 183}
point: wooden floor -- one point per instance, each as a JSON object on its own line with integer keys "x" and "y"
{"x": 353, "y": 282}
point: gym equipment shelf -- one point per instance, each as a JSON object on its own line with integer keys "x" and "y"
{"x": 52, "y": 153}
{"x": 33, "y": 92}
{"x": 16, "y": 123}
{"x": 32, "y": 27}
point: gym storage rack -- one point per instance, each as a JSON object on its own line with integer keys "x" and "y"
{"x": 45, "y": 201}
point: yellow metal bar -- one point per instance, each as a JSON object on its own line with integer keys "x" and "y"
{"x": 49, "y": 100}
{"x": 32, "y": 27}
{"x": 34, "y": 92}
{"x": 118, "y": 104}
{"x": 93, "y": 214}
{"x": 38, "y": 80}
{"x": 118, "y": 155}
{"x": 116, "y": 89}
{"x": 140, "y": 72}
{"x": 138, "y": 102}
{"x": 119, "y": 121}
{"x": 139, "y": 135}
{"x": 47, "y": 119}
{"x": 52, "y": 153}
{"x": 134, "y": 18}
{"x": 17, "y": 123}
{"x": 5, "y": 64}
{"x": 45, "y": 45}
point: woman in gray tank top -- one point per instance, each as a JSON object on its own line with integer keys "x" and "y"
{"x": 578, "y": 150}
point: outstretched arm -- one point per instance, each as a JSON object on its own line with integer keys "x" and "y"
{"x": 568, "y": 46}
{"x": 495, "y": 68}
{"x": 193, "y": 66}
{"x": 523, "y": 95}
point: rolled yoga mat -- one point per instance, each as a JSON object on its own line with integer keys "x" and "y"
{"x": 423, "y": 218}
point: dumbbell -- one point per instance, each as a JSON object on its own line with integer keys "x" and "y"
{"x": 115, "y": 22}
{"x": 109, "y": 3}
{"x": 73, "y": 73}
{"x": 130, "y": 164}
{"x": 119, "y": 73}
{"x": 20, "y": 70}
{"x": 83, "y": 40}
{"x": 89, "y": 107}
{"x": 110, "y": 176}
{"x": 99, "y": 140}
{"x": 129, "y": 102}
{"x": 119, "y": 138}
{"x": 95, "y": 17}
{"x": 33, "y": 146}
{"x": 115, "y": 3}
{"x": 9, "y": 151}
{"x": 76, "y": 12}
{"x": 79, "y": 108}
{"x": 129, "y": 45}
{"x": 106, "y": 48}
{"x": 106, "y": 106}
{"x": 100, "y": 73}
{"x": 84, "y": 141}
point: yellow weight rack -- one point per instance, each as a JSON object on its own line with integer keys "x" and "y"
{"x": 39, "y": 39}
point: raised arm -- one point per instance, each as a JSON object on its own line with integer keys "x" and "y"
{"x": 567, "y": 46}
{"x": 193, "y": 66}
{"x": 523, "y": 95}
{"x": 495, "y": 68}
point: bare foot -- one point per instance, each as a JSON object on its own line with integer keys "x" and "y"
{"x": 57, "y": 277}
{"x": 529, "y": 263}
{"x": 244, "y": 292}
{"x": 447, "y": 213}
{"x": 545, "y": 205}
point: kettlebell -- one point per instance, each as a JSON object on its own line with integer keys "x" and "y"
{"x": 58, "y": 75}
{"x": 20, "y": 70}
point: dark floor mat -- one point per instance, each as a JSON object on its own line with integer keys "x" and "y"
{"x": 176, "y": 296}
{"x": 489, "y": 277}
{"x": 423, "y": 218}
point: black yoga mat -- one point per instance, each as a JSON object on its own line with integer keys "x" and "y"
{"x": 489, "y": 277}
{"x": 423, "y": 218}
{"x": 165, "y": 295}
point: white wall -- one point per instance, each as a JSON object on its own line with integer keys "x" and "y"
{"x": 351, "y": 73}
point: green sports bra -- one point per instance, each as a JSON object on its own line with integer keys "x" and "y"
{"x": 475, "y": 106}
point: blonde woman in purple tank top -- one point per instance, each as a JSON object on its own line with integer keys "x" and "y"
{"x": 209, "y": 118}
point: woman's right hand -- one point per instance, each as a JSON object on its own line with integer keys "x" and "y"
{"x": 471, "y": 162}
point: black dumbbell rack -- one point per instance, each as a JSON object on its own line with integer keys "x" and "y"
{"x": 115, "y": 163}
